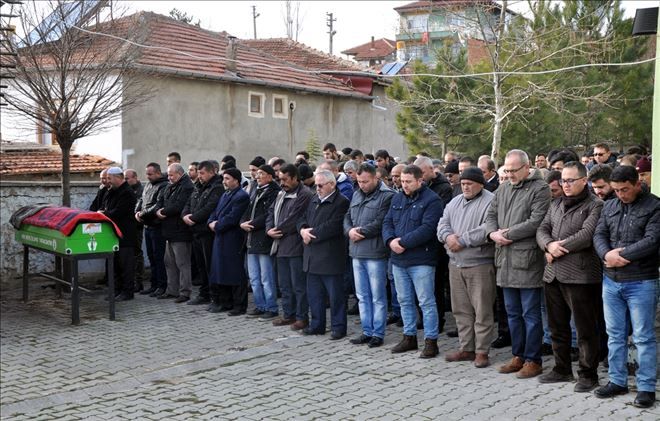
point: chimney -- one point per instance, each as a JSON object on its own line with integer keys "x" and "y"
{"x": 230, "y": 64}
{"x": 373, "y": 43}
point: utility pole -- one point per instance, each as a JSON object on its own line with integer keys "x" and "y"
{"x": 255, "y": 15}
{"x": 329, "y": 23}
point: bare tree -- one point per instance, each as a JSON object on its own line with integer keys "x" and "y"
{"x": 68, "y": 80}
{"x": 293, "y": 20}
{"x": 514, "y": 46}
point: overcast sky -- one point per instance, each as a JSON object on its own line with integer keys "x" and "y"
{"x": 357, "y": 21}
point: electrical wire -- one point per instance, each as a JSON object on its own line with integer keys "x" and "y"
{"x": 321, "y": 71}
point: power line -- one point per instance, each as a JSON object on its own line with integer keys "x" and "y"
{"x": 322, "y": 71}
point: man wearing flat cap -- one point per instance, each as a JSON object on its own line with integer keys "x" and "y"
{"x": 462, "y": 229}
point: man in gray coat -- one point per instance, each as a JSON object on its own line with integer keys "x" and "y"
{"x": 515, "y": 214}
{"x": 363, "y": 225}
{"x": 572, "y": 277}
{"x": 462, "y": 229}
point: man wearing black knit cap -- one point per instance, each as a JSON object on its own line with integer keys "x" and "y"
{"x": 471, "y": 267}
{"x": 253, "y": 167}
{"x": 227, "y": 270}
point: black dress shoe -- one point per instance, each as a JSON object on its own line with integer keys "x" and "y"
{"x": 309, "y": 331}
{"x": 165, "y": 296}
{"x": 585, "y": 384}
{"x": 255, "y": 312}
{"x": 148, "y": 291}
{"x": 215, "y": 308}
{"x": 501, "y": 342}
{"x": 610, "y": 390}
{"x": 362, "y": 339}
{"x": 375, "y": 342}
{"x": 181, "y": 299}
{"x": 157, "y": 293}
{"x": 236, "y": 312}
{"x": 644, "y": 399}
{"x": 337, "y": 335}
{"x": 199, "y": 300}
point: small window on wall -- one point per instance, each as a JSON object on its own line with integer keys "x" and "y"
{"x": 256, "y": 104}
{"x": 280, "y": 106}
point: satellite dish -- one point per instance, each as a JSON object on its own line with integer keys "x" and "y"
{"x": 66, "y": 15}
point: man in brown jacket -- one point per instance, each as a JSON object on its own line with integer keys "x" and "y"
{"x": 572, "y": 277}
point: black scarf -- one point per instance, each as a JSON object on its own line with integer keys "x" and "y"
{"x": 570, "y": 201}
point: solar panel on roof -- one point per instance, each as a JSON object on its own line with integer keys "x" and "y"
{"x": 393, "y": 68}
{"x": 62, "y": 18}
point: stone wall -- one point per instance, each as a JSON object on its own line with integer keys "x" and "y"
{"x": 13, "y": 195}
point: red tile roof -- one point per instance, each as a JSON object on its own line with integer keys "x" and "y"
{"x": 36, "y": 159}
{"x": 372, "y": 50}
{"x": 191, "y": 51}
{"x": 301, "y": 55}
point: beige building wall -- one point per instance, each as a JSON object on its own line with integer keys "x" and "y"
{"x": 208, "y": 119}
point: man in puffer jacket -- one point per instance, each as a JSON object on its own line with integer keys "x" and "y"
{"x": 627, "y": 239}
{"x": 363, "y": 226}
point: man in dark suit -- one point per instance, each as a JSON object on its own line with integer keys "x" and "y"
{"x": 324, "y": 255}
{"x": 227, "y": 276}
{"x": 177, "y": 234}
{"x": 200, "y": 206}
{"x": 119, "y": 205}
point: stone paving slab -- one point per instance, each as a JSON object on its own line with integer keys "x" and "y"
{"x": 162, "y": 360}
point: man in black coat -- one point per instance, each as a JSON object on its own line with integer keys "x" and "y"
{"x": 99, "y": 201}
{"x": 289, "y": 206}
{"x": 324, "y": 255}
{"x": 202, "y": 202}
{"x": 145, "y": 213}
{"x": 134, "y": 183}
{"x": 119, "y": 206}
{"x": 261, "y": 270}
{"x": 177, "y": 234}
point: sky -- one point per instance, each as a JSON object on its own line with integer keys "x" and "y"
{"x": 357, "y": 21}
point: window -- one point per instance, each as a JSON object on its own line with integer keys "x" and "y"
{"x": 280, "y": 106}
{"x": 256, "y": 104}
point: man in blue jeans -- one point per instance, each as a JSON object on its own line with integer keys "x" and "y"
{"x": 515, "y": 214}
{"x": 259, "y": 261}
{"x": 627, "y": 239}
{"x": 363, "y": 225}
{"x": 409, "y": 231}
{"x": 290, "y": 204}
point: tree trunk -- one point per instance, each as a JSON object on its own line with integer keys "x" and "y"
{"x": 66, "y": 173}
{"x": 497, "y": 120}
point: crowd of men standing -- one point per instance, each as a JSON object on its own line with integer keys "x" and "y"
{"x": 564, "y": 260}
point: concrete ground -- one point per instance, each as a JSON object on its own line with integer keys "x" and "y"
{"x": 161, "y": 360}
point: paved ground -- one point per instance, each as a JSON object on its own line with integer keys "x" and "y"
{"x": 162, "y": 360}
